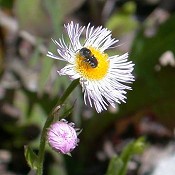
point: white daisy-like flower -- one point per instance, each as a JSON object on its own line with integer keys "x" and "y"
{"x": 103, "y": 78}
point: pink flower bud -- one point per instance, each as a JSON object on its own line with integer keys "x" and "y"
{"x": 62, "y": 136}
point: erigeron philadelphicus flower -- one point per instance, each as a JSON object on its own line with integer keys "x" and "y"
{"x": 103, "y": 78}
{"x": 62, "y": 136}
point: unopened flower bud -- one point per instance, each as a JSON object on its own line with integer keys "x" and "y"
{"x": 62, "y": 136}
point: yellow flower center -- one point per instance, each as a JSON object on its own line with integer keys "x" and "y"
{"x": 84, "y": 67}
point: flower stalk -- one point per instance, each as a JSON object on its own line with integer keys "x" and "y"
{"x": 49, "y": 122}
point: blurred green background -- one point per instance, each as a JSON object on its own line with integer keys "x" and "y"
{"x": 30, "y": 85}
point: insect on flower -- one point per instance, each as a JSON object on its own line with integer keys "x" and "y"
{"x": 88, "y": 57}
{"x": 103, "y": 78}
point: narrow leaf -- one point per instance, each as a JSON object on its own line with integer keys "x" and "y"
{"x": 119, "y": 164}
{"x": 31, "y": 157}
{"x": 115, "y": 165}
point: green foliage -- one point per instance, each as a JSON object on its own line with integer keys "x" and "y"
{"x": 115, "y": 165}
{"x": 6, "y": 3}
{"x": 118, "y": 164}
{"x": 31, "y": 157}
{"x": 122, "y": 22}
{"x": 153, "y": 90}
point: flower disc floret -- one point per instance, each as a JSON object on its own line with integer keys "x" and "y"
{"x": 87, "y": 71}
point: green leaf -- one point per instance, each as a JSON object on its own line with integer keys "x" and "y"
{"x": 115, "y": 165}
{"x": 122, "y": 22}
{"x": 134, "y": 147}
{"x": 118, "y": 164}
{"x": 31, "y": 157}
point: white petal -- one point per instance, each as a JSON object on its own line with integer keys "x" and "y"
{"x": 51, "y": 55}
{"x": 70, "y": 71}
{"x": 110, "y": 89}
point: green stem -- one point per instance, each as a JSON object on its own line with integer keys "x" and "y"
{"x": 48, "y": 122}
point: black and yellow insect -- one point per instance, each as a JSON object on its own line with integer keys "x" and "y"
{"x": 88, "y": 57}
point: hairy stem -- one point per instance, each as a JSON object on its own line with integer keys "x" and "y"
{"x": 48, "y": 122}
